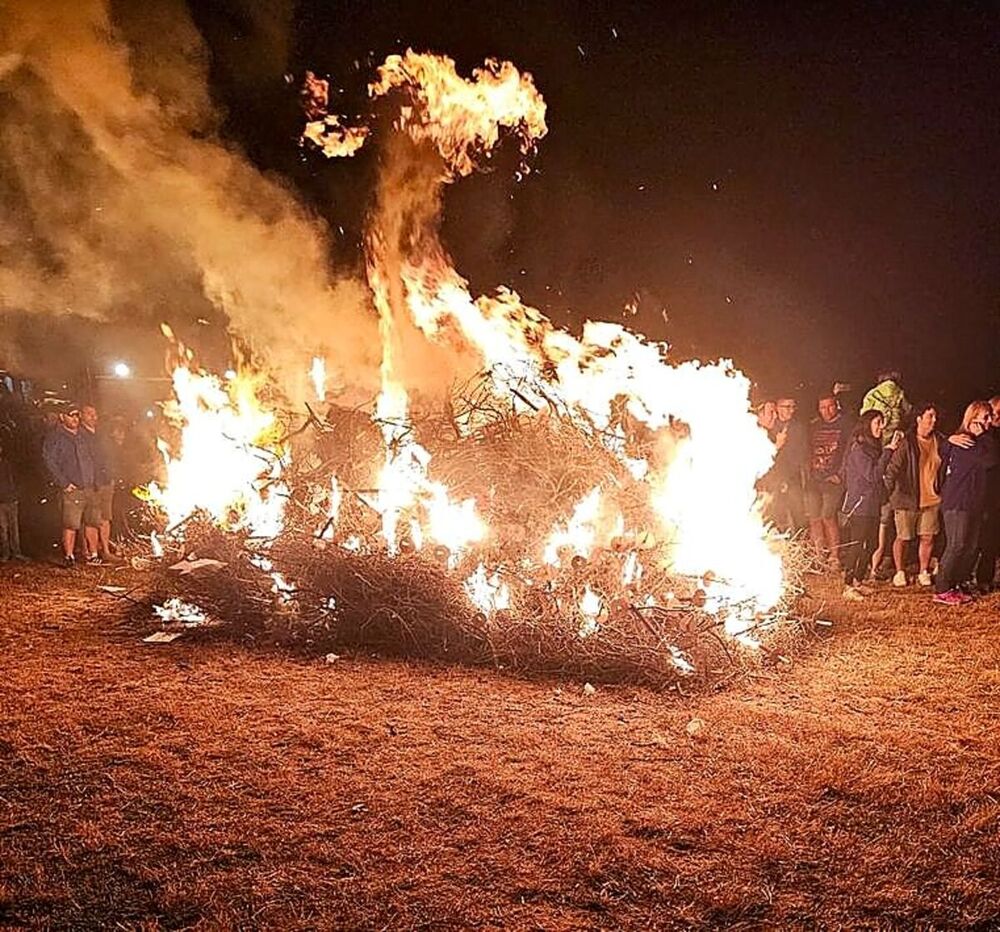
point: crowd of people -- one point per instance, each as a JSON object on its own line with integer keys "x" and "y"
{"x": 884, "y": 495}
{"x": 65, "y": 474}
{"x": 881, "y": 494}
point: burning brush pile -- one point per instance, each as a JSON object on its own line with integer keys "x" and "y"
{"x": 578, "y": 504}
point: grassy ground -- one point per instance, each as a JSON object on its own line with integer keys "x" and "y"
{"x": 184, "y": 784}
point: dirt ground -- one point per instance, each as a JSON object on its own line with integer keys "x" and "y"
{"x": 214, "y": 784}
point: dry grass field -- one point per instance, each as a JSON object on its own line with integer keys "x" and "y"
{"x": 210, "y": 783}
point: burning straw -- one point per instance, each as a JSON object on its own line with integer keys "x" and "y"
{"x": 615, "y": 613}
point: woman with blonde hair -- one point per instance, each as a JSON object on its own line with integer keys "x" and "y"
{"x": 963, "y": 497}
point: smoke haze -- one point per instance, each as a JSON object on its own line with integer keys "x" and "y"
{"x": 119, "y": 200}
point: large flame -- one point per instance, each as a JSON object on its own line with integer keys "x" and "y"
{"x": 704, "y": 490}
{"x": 710, "y": 450}
{"x": 229, "y": 457}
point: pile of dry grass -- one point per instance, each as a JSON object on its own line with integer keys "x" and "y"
{"x": 332, "y": 587}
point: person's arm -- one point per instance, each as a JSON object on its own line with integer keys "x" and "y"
{"x": 893, "y": 467}
{"x": 50, "y": 455}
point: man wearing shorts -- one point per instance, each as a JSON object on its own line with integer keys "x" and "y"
{"x": 68, "y": 458}
{"x": 103, "y": 478}
{"x": 913, "y": 479}
{"x": 824, "y": 492}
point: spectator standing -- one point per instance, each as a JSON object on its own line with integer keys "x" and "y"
{"x": 963, "y": 497}
{"x": 989, "y": 537}
{"x": 70, "y": 463}
{"x": 824, "y": 493}
{"x": 913, "y": 480}
{"x": 126, "y": 475}
{"x": 864, "y": 490}
{"x": 789, "y": 436}
{"x": 104, "y": 480}
{"x": 10, "y": 532}
{"x": 888, "y": 398}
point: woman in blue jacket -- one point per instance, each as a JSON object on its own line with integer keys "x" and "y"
{"x": 963, "y": 498}
{"x": 864, "y": 491}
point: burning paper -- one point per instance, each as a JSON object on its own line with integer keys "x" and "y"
{"x": 177, "y": 610}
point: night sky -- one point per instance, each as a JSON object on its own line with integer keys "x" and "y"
{"x": 814, "y": 193}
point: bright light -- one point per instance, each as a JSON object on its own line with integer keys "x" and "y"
{"x": 121, "y": 370}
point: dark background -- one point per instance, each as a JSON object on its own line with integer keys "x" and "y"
{"x": 810, "y": 191}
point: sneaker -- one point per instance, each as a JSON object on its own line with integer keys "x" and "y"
{"x": 899, "y": 580}
{"x": 851, "y": 594}
{"x": 924, "y": 578}
{"x": 94, "y": 560}
{"x": 951, "y": 597}
{"x": 69, "y": 562}
{"x": 969, "y": 590}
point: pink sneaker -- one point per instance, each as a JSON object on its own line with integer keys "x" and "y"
{"x": 951, "y": 597}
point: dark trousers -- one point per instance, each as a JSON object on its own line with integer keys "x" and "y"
{"x": 962, "y": 530}
{"x": 789, "y": 508}
{"x": 989, "y": 546}
{"x": 10, "y": 533}
{"x": 860, "y": 538}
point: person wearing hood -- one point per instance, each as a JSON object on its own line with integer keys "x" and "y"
{"x": 864, "y": 491}
{"x": 888, "y": 398}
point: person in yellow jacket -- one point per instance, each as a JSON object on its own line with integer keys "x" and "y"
{"x": 889, "y": 399}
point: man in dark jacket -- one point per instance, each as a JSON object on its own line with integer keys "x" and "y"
{"x": 913, "y": 480}
{"x": 69, "y": 460}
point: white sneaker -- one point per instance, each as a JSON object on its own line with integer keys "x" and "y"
{"x": 899, "y": 580}
{"x": 924, "y": 578}
{"x": 852, "y": 595}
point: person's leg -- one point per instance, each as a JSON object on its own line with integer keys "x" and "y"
{"x": 989, "y": 548}
{"x": 14, "y": 531}
{"x": 814, "y": 513}
{"x": 905, "y": 522}
{"x": 927, "y": 526}
{"x": 924, "y": 550}
{"x": 869, "y": 532}
{"x": 795, "y": 503}
{"x": 5, "y": 549}
{"x": 72, "y": 515}
{"x": 948, "y": 572}
{"x": 831, "y": 538}
{"x": 91, "y": 524}
{"x": 104, "y": 538}
{"x": 885, "y": 519}
{"x": 104, "y": 496}
{"x": 831, "y": 497}
{"x": 971, "y": 549}
{"x": 852, "y": 546}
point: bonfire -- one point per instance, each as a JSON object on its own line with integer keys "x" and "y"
{"x": 566, "y": 503}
